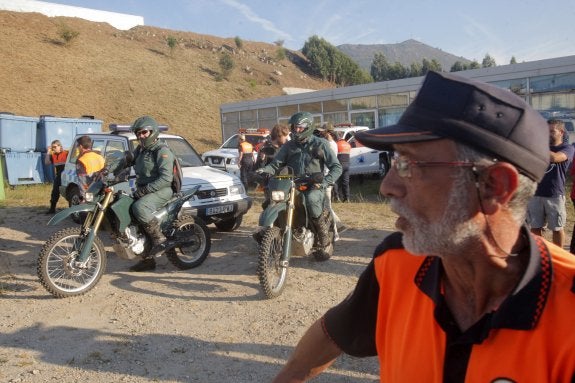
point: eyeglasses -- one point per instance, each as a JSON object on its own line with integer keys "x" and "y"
{"x": 403, "y": 166}
{"x": 142, "y": 133}
{"x": 55, "y": 147}
{"x": 295, "y": 127}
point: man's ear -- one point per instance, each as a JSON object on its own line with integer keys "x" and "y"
{"x": 497, "y": 184}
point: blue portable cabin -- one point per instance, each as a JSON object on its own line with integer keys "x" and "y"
{"x": 52, "y": 128}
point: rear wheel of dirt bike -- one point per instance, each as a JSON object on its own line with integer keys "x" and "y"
{"x": 272, "y": 276}
{"x": 229, "y": 224}
{"x": 197, "y": 246}
{"x": 326, "y": 253}
{"x": 58, "y": 270}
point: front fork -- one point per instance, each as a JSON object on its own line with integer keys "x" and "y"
{"x": 92, "y": 229}
{"x": 287, "y": 235}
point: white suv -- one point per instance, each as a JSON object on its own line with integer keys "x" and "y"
{"x": 221, "y": 200}
{"x": 227, "y": 156}
{"x": 362, "y": 160}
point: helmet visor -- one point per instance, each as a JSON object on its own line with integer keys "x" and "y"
{"x": 142, "y": 132}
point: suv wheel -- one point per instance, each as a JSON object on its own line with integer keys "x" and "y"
{"x": 74, "y": 198}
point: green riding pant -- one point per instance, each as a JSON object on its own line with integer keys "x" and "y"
{"x": 143, "y": 209}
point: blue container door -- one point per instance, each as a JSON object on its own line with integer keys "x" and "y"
{"x": 24, "y": 168}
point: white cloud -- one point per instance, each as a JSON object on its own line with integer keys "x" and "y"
{"x": 247, "y": 12}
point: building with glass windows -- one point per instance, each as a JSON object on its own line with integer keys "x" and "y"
{"x": 548, "y": 85}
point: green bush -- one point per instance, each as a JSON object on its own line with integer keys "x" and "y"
{"x": 226, "y": 64}
{"x": 172, "y": 43}
{"x": 67, "y": 34}
{"x": 280, "y": 54}
{"x": 239, "y": 42}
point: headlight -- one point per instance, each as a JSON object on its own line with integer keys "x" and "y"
{"x": 278, "y": 195}
{"x": 237, "y": 189}
{"x": 89, "y": 197}
{"x": 233, "y": 161}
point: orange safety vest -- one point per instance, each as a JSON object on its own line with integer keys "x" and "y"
{"x": 247, "y": 149}
{"x": 93, "y": 162}
{"x": 343, "y": 147}
{"x": 59, "y": 159}
{"x": 412, "y": 345}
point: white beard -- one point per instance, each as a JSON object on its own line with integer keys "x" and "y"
{"x": 446, "y": 236}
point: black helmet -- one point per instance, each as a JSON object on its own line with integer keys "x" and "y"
{"x": 301, "y": 119}
{"x": 146, "y": 123}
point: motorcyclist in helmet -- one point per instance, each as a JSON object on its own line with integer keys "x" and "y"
{"x": 308, "y": 154}
{"x": 153, "y": 164}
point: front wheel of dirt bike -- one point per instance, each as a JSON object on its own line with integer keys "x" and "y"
{"x": 197, "y": 244}
{"x": 272, "y": 276}
{"x": 58, "y": 270}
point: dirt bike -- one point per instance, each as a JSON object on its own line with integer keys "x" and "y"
{"x": 288, "y": 231}
{"x": 73, "y": 260}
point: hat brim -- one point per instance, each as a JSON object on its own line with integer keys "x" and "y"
{"x": 384, "y": 138}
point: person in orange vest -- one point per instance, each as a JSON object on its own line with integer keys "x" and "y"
{"x": 246, "y": 160}
{"x": 343, "y": 153}
{"x": 88, "y": 164}
{"x": 462, "y": 291}
{"x": 56, "y": 156}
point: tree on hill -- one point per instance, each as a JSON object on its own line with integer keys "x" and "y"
{"x": 459, "y": 66}
{"x": 332, "y": 65}
{"x": 382, "y": 70}
{"x": 488, "y": 61}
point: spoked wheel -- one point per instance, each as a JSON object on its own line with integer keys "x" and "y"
{"x": 58, "y": 270}
{"x": 272, "y": 276}
{"x": 197, "y": 243}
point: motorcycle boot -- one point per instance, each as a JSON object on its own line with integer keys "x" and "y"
{"x": 158, "y": 238}
{"x": 321, "y": 226}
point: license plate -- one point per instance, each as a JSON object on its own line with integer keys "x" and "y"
{"x": 219, "y": 209}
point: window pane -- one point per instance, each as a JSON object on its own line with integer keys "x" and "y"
{"x": 368, "y": 102}
{"x": 389, "y": 116}
{"x": 335, "y": 106}
{"x": 554, "y": 104}
{"x": 287, "y": 110}
{"x": 247, "y": 115}
{"x": 230, "y": 117}
{"x": 267, "y": 113}
{"x": 398, "y": 99}
{"x": 267, "y": 123}
{"x": 312, "y": 107}
{"x": 552, "y": 83}
{"x": 363, "y": 119}
{"x": 335, "y": 118}
{"x": 517, "y": 86}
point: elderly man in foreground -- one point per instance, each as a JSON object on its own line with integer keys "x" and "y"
{"x": 463, "y": 292}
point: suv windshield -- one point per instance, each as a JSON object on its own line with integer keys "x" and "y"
{"x": 186, "y": 154}
{"x": 233, "y": 142}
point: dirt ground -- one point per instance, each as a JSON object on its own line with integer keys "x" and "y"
{"x": 209, "y": 324}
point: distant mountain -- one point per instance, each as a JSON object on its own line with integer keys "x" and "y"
{"x": 405, "y": 53}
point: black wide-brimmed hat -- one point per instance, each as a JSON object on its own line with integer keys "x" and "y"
{"x": 485, "y": 117}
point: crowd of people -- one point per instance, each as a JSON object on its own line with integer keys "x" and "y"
{"x": 463, "y": 292}
{"x": 466, "y": 289}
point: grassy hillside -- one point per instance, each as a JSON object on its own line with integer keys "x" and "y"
{"x": 119, "y": 75}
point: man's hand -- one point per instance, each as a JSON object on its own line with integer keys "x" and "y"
{"x": 140, "y": 192}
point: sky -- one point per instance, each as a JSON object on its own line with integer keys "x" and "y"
{"x": 528, "y": 30}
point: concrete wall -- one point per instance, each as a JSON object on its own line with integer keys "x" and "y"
{"x": 117, "y": 20}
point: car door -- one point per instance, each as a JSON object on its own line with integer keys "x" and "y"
{"x": 363, "y": 160}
